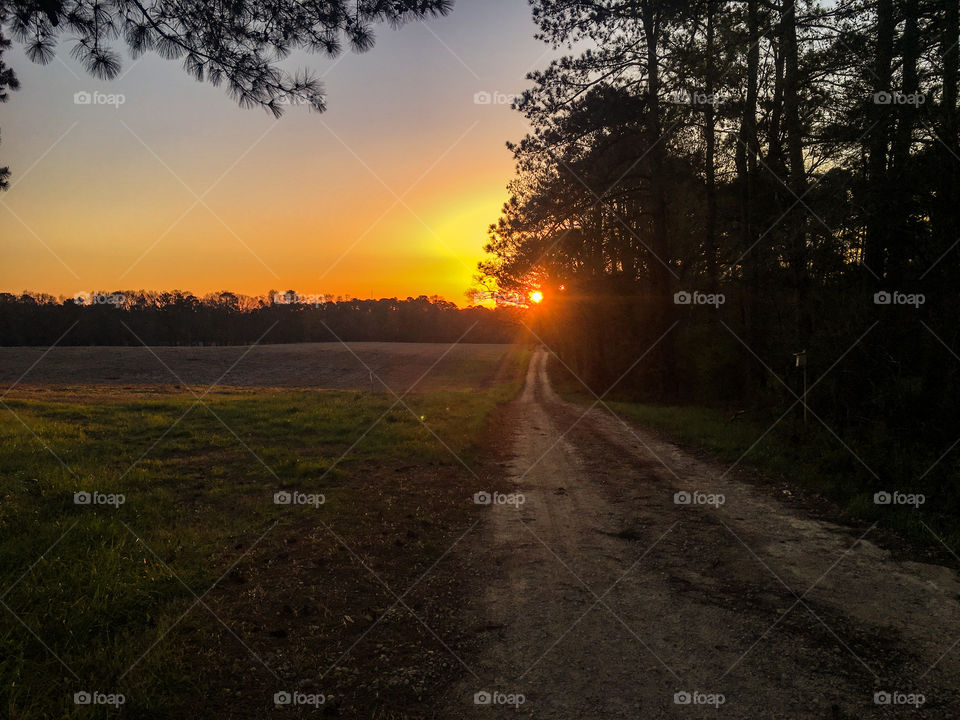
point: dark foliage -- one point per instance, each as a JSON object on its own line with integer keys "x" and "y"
{"x": 799, "y": 158}
{"x": 178, "y": 318}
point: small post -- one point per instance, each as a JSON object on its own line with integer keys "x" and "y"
{"x": 801, "y": 358}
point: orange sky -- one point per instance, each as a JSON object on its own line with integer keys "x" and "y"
{"x": 389, "y": 193}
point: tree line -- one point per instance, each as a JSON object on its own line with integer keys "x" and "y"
{"x": 181, "y": 318}
{"x": 714, "y": 194}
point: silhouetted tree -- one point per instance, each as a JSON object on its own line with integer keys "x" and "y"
{"x": 8, "y": 81}
{"x": 796, "y": 156}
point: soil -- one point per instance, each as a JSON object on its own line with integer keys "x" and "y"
{"x": 605, "y": 598}
{"x": 309, "y": 365}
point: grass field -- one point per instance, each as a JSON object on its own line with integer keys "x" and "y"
{"x": 198, "y": 594}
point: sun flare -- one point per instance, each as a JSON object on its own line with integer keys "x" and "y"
{"x": 536, "y": 296}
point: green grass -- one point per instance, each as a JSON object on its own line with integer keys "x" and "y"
{"x": 97, "y": 585}
{"x": 813, "y": 461}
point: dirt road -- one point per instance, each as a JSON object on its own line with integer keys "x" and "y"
{"x": 607, "y": 598}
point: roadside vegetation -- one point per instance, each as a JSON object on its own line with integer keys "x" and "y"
{"x": 811, "y": 460}
{"x": 111, "y": 588}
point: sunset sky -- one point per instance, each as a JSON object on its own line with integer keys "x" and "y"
{"x": 388, "y": 193}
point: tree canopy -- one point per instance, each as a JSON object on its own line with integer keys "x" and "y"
{"x": 711, "y": 188}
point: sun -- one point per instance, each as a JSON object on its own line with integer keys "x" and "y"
{"x": 536, "y": 296}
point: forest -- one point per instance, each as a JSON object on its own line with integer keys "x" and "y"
{"x": 181, "y": 318}
{"x": 720, "y": 198}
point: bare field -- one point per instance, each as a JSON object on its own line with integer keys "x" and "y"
{"x": 350, "y": 366}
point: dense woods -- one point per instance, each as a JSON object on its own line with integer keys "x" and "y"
{"x": 179, "y": 318}
{"x": 712, "y": 187}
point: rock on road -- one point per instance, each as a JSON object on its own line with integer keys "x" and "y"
{"x": 605, "y": 598}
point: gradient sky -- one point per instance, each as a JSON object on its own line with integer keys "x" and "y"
{"x": 388, "y": 193}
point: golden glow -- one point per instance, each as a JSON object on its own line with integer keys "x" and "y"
{"x": 389, "y": 193}
{"x": 85, "y": 228}
{"x": 536, "y": 296}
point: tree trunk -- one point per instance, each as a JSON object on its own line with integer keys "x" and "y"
{"x": 945, "y": 220}
{"x": 664, "y": 357}
{"x": 876, "y": 237}
{"x": 746, "y": 162}
{"x": 798, "y": 219}
{"x": 901, "y": 206}
{"x": 710, "y": 121}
